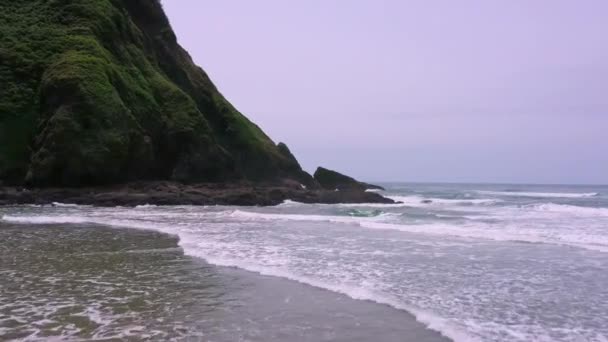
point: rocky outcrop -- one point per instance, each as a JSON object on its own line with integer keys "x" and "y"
{"x": 332, "y": 180}
{"x": 171, "y": 193}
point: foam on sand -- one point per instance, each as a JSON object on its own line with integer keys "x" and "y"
{"x": 367, "y": 258}
{"x": 195, "y": 246}
{"x": 430, "y": 320}
{"x": 46, "y": 219}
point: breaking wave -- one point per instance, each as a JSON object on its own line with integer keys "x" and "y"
{"x": 538, "y": 194}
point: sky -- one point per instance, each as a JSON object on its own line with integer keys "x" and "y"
{"x": 507, "y": 91}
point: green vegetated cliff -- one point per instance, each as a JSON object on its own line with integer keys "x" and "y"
{"x": 99, "y": 92}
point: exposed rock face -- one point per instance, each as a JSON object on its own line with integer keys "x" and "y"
{"x": 331, "y": 180}
{"x": 97, "y": 92}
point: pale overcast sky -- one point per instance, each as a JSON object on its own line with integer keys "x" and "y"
{"x": 424, "y": 90}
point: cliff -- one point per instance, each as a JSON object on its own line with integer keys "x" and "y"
{"x": 96, "y": 92}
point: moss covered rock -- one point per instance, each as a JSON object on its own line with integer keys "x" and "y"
{"x": 100, "y": 92}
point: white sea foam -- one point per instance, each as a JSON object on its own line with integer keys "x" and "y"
{"x": 538, "y": 194}
{"x": 45, "y": 219}
{"x": 290, "y": 203}
{"x": 342, "y": 256}
{"x": 476, "y": 230}
{"x": 532, "y": 213}
{"x": 418, "y": 201}
{"x": 592, "y": 242}
{"x": 432, "y": 321}
{"x": 571, "y": 209}
{"x": 370, "y": 205}
{"x": 103, "y": 221}
{"x": 422, "y": 202}
{"x": 191, "y": 245}
{"x": 405, "y": 201}
{"x": 248, "y": 215}
{"x": 68, "y": 205}
{"x": 146, "y": 206}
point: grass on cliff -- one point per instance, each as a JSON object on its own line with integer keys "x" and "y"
{"x": 73, "y": 72}
{"x": 93, "y": 91}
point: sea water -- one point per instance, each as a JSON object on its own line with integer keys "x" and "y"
{"x": 472, "y": 262}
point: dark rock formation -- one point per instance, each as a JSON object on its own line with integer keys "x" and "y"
{"x": 331, "y": 180}
{"x": 170, "y": 193}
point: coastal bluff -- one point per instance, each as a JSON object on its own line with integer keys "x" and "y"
{"x": 97, "y": 95}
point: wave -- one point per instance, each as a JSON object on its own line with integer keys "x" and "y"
{"x": 146, "y": 206}
{"x": 511, "y": 232}
{"x": 248, "y": 215}
{"x": 538, "y": 194}
{"x": 473, "y": 230}
{"x": 66, "y": 205}
{"x": 364, "y": 213}
{"x": 102, "y": 221}
{"x": 46, "y": 219}
{"x": 571, "y": 209}
{"x": 418, "y": 201}
{"x": 132, "y": 220}
{"x": 531, "y": 213}
{"x": 404, "y": 201}
{"x": 290, "y": 203}
{"x": 592, "y": 242}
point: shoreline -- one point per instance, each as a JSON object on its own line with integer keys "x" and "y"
{"x": 208, "y": 301}
{"x": 171, "y": 193}
{"x": 454, "y": 263}
{"x": 405, "y": 325}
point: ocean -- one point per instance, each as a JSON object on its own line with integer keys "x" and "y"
{"x": 464, "y": 262}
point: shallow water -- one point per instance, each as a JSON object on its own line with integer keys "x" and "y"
{"x": 474, "y": 262}
{"x": 98, "y": 283}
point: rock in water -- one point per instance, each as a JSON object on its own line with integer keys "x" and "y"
{"x": 99, "y": 92}
{"x": 329, "y": 179}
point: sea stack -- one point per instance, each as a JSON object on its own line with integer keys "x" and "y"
{"x": 331, "y": 180}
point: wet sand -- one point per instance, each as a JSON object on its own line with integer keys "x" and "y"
{"x": 100, "y": 283}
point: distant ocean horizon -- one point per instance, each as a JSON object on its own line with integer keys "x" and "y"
{"x": 470, "y": 261}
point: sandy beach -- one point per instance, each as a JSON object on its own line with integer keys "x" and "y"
{"x": 101, "y": 283}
